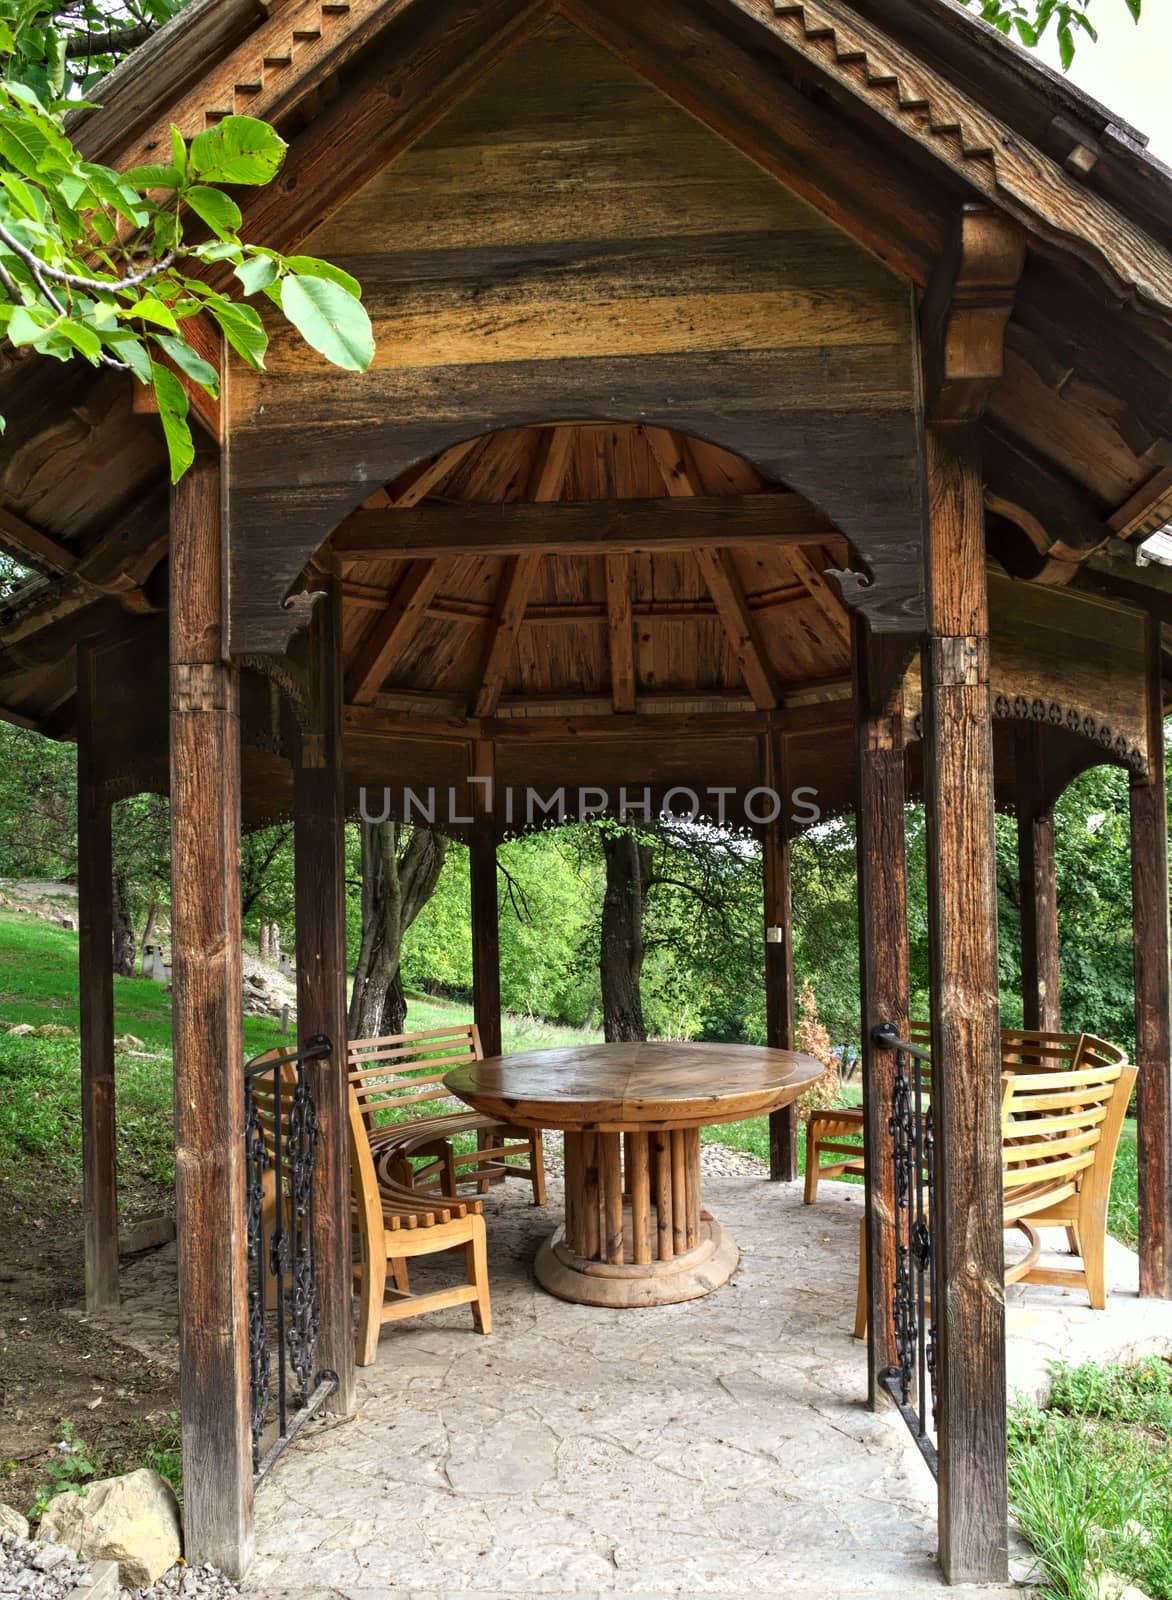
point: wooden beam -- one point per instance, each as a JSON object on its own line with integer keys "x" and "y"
{"x": 513, "y": 596}
{"x": 620, "y": 626}
{"x": 825, "y": 596}
{"x": 883, "y": 970}
{"x": 719, "y": 573}
{"x": 1061, "y": 524}
{"x": 599, "y": 527}
{"x": 389, "y": 633}
{"x": 211, "y": 1220}
{"x": 319, "y": 838}
{"x": 779, "y": 952}
{"x": 486, "y": 943}
{"x": 1041, "y": 1004}
{"x": 32, "y": 546}
{"x": 967, "y": 1210}
{"x": 95, "y": 950}
{"x": 431, "y": 473}
{"x": 1153, "y": 991}
{"x": 966, "y": 308}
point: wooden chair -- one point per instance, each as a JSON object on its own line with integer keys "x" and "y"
{"x": 390, "y": 1075}
{"x": 1060, "y": 1129}
{"x": 395, "y": 1223}
{"x": 826, "y": 1131}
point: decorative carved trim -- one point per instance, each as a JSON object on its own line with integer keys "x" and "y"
{"x": 1022, "y": 708}
{"x": 957, "y": 131}
{"x": 288, "y": 677}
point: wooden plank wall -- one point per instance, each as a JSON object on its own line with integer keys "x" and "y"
{"x": 568, "y": 244}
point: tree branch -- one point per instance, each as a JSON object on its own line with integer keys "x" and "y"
{"x": 118, "y": 41}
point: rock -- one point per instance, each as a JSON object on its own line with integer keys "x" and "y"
{"x": 128, "y": 1041}
{"x": 20, "y": 1029}
{"x": 133, "y": 1520}
{"x": 12, "y": 1524}
{"x": 50, "y": 1556}
{"x": 1108, "y": 1585}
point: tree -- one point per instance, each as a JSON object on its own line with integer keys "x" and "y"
{"x": 1031, "y": 20}
{"x": 629, "y": 862}
{"x": 113, "y": 267}
{"x": 400, "y": 867}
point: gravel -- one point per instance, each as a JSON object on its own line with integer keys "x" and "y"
{"x": 716, "y": 1160}
{"x": 36, "y": 1571}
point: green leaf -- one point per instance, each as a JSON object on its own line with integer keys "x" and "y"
{"x": 26, "y": 202}
{"x": 153, "y": 177}
{"x": 172, "y": 398}
{"x": 133, "y": 352}
{"x": 257, "y": 273}
{"x": 242, "y": 328}
{"x": 28, "y": 324}
{"x": 178, "y": 152}
{"x": 148, "y": 309}
{"x": 311, "y": 266}
{"x": 221, "y": 214}
{"x": 84, "y": 340}
{"x": 185, "y": 358}
{"x": 237, "y": 150}
{"x": 330, "y": 320}
{"x": 1065, "y": 47}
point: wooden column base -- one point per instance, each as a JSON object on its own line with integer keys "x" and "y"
{"x": 614, "y": 1248}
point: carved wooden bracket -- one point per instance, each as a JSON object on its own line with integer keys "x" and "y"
{"x": 965, "y": 310}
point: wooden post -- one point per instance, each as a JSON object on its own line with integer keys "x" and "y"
{"x": 779, "y": 955}
{"x": 211, "y": 1222}
{"x": 966, "y": 1046}
{"x": 883, "y": 973}
{"x": 1041, "y": 1006}
{"x": 1153, "y": 992}
{"x": 95, "y": 956}
{"x": 486, "y": 943}
{"x": 319, "y": 831}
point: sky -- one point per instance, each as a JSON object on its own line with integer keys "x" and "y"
{"x": 1130, "y": 68}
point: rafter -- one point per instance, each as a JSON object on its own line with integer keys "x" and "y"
{"x": 827, "y": 599}
{"x": 590, "y": 527}
{"x": 516, "y": 583}
{"x": 740, "y": 625}
{"x": 620, "y": 627}
{"x": 389, "y": 633}
{"x": 32, "y": 546}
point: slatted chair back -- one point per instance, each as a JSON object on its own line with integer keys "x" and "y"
{"x": 1057, "y": 1125}
{"x": 391, "y": 1075}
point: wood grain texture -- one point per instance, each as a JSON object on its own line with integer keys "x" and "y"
{"x": 319, "y": 836}
{"x": 547, "y": 278}
{"x": 95, "y": 902}
{"x": 1038, "y": 884}
{"x": 634, "y": 1086}
{"x": 209, "y": 1065}
{"x": 1153, "y": 992}
{"x": 962, "y": 899}
{"x": 883, "y": 974}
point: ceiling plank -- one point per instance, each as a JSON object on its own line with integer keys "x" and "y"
{"x": 599, "y": 527}
{"x": 389, "y": 633}
{"x": 620, "y": 625}
{"x": 432, "y": 473}
{"x": 516, "y": 583}
{"x": 740, "y": 625}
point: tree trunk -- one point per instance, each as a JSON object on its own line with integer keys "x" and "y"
{"x": 396, "y": 885}
{"x": 620, "y": 965}
{"x": 124, "y": 940}
{"x": 148, "y": 927}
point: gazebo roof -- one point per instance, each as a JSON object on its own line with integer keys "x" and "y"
{"x": 676, "y": 579}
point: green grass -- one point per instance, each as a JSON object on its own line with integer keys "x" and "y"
{"x": 1090, "y": 1478}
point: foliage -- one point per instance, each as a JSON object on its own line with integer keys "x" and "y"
{"x": 813, "y": 1039}
{"x": 1090, "y": 1478}
{"x": 113, "y": 267}
{"x": 1031, "y": 20}
{"x": 73, "y": 1465}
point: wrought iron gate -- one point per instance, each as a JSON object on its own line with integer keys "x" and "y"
{"x": 284, "y": 1310}
{"x": 912, "y": 1383}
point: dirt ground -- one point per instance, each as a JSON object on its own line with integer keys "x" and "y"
{"x": 55, "y": 1369}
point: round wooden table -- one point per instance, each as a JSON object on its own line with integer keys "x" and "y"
{"x": 635, "y": 1232}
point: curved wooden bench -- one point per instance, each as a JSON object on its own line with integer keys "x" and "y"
{"x": 1060, "y": 1129}
{"x": 392, "y": 1074}
{"x": 394, "y": 1223}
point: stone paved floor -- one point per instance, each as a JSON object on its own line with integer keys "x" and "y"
{"x": 714, "y": 1448}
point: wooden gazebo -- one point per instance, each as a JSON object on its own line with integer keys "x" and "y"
{"x": 768, "y": 396}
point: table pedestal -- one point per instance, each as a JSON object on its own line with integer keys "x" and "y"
{"x": 635, "y": 1232}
